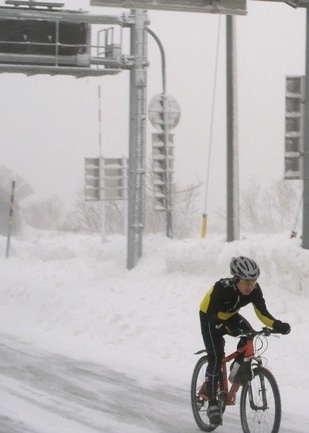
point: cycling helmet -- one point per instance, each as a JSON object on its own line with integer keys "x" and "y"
{"x": 244, "y": 268}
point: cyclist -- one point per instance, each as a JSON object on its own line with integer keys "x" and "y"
{"x": 219, "y": 316}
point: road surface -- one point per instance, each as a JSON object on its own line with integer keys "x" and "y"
{"x": 47, "y": 393}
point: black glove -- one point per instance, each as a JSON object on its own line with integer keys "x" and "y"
{"x": 281, "y": 327}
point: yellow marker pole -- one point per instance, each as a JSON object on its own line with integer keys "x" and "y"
{"x": 204, "y": 225}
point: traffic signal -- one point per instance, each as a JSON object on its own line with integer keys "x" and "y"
{"x": 294, "y": 126}
{"x": 162, "y": 167}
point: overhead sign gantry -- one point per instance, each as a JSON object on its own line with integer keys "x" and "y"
{"x": 42, "y": 38}
{"x": 293, "y": 3}
{"x": 228, "y": 7}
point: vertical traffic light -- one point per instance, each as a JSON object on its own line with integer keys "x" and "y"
{"x": 162, "y": 167}
{"x": 294, "y": 126}
{"x": 164, "y": 114}
{"x": 162, "y": 152}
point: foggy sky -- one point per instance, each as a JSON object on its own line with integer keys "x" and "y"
{"x": 49, "y": 124}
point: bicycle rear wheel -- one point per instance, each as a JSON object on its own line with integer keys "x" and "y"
{"x": 260, "y": 403}
{"x": 199, "y": 406}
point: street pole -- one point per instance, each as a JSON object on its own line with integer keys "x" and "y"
{"x": 232, "y": 136}
{"x": 306, "y": 147}
{"x": 137, "y": 138}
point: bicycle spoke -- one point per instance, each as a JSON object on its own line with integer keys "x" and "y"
{"x": 260, "y": 406}
{"x": 199, "y": 406}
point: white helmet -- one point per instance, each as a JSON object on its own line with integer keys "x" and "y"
{"x": 244, "y": 268}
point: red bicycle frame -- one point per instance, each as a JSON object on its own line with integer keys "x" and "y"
{"x": 247, "y": 350}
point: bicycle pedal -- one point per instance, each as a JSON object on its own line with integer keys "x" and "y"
{"x": 216, "y": 422}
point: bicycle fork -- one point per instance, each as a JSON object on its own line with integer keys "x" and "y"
{"x": 262, "y": 393}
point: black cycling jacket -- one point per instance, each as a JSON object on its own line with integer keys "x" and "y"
{"x": 223, "y": 300}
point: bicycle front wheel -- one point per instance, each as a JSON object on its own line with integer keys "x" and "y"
{"x": 199, "y": 406}
{"x": 260, "y": 403}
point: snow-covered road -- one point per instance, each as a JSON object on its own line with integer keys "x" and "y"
{"x": 49, "y": 393}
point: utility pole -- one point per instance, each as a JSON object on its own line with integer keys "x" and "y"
{"x": 137, "y": 140}
{"x": 232, "y": 136}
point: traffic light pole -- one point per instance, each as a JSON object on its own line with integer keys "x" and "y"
{"x": 137, "y": 140}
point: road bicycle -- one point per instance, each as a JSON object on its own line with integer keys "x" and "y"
{"x": 260, "y": 403}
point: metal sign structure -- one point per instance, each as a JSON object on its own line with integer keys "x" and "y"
{"x": 54, "y": 41}
{"x": 156, "y": 111}
{"x": 106, "y": 178}
{"x": 228, "y": 7}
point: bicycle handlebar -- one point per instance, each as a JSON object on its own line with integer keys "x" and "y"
{"x": 266, "y": 332}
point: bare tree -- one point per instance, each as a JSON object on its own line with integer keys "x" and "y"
{"x": 282, "y": 200}
{"x": 184, "y": 209}
{"x": 250, "y": 211}
{"x": 85, "y": 216}
{"x": 272, "y": 208}
{"x": 261, "y": 209}
{"x": 88, "y": 216}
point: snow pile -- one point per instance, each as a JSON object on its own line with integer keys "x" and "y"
{"x": 72, "y": 294}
